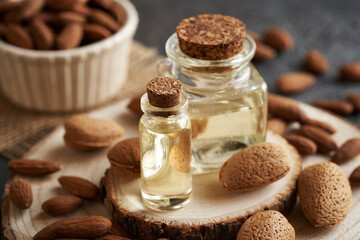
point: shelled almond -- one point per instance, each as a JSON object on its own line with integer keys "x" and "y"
{"x": 335, "y": 106}
{"x": 316, "y": 62}
{"x": 295, "y": 82}
{"x": 33, "y": 24}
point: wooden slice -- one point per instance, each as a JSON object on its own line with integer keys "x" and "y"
{"x": 23, "y": 224}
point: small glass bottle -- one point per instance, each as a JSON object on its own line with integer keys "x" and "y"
{"x": 165, "y": 145}
{"x": 227, "y": 96}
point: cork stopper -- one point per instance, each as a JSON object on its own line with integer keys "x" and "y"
{"x": 164, "y": 92}
{"x": 211, "y": 36}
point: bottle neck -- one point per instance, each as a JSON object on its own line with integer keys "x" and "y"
{"x": 204, "y": 76}
{"x": 150, "y": 110}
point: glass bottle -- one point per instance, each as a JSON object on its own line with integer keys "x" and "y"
{"x": 165, "y": 143}
{"x": 227, "y": 102}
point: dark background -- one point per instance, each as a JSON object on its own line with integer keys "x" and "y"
{"x": 330, "y": 26}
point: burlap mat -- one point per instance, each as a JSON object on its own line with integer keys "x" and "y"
{"x": 20, "y": 129}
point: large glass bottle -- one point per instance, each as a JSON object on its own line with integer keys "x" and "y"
{"x": 227, "y": 102}
{"x": 165, "y": 143}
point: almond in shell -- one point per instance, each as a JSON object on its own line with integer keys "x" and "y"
{"x": 104, "y": 19}
{"x": 350, "y": 71}
{"x": 316, "y": 62}
{"x": 44, "y": 37}
{"x": 70, "y": 36}
{"x": 61, "y": 205}
{"x": 347, "y": 151}
{"x": 33, "y": 168}
{"x": 278, "y": 38}
{"x": 19, "y": 36}
{"x": 80, "y": 187}
{"x": 266, "y": 225}
{"x": 21, "y": 194}
{"x": 95, "y": 32}
{"x": 295, "y": 82}
{"x": 325, "y": 194}
{"x": 241, "y": 172}
{"x": 322, "y": 139}
{"x": 304, "y": 145}
{"x": 335, "y": 106}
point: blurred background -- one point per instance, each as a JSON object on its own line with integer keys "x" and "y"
{"x": 329, "y": 26}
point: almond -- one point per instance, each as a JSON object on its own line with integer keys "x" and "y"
{"x": 263, "y": 52}
{"x": 355, "y": 100}
{"x": 86, "y": 133}
{"x": 278, "y": 38}
{"x": 350, "y": 71}
{"x": 105, "y": 4}
{"x": 2, "y": 30}
{"x": 70, "y": 36}
{"x": 33, "y": 168}
{"x": 285, "y": 108}
{"x": 320, "y": 124}
{"x": 268, "y": 224}
{"x": 61, "y": 205}
{"x": 12, "y": 16}
{"x": 347, "y": 151}
{"x": 111, "y": 237}
{"x": 295, "y": 82}
{"x": 322, "y": 139}
{"x": 335, "y": 106}
{"x": 124, "y": 158}
{"x": 316, "y": 62}
{"x": 135, "y": 105}
{"x": 79, "y": 187}
{"x": 81, "y": 8}
{"x": 118, "y": 230}
{"x": 242, "y": 171}
{"x": 118, "y": 12}
{"x": 49, "y": 232}
{"x": 47, "y": 17}
{"x": 104, "y": 19}
{"x": 277, "y": 125}
{"x": 30, "y": 7}
{"x": 355, "y": 176}
{"x": 325, "y": 194}
{"x": 68, "y": 17}
{"x": 18, "y": 36}
{"x": 304, "y": 145}
{"x": 21, "y": 194}
{"x": 61, "y": 5}
{"x": 6, "y": 6}
{"x": 43, "y": 35}
{"x": 84, "y": 227}
{"x": 95, "y": 32}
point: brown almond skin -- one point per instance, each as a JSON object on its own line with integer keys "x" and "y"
{"x": 61, "y": 205}
{"x": 95, "y": 32}
{"x": 277, "y": 125}
{"x": 70, "y": 37}
{"x": 135, "y": 105}
{"x": 105, "y": 4}
{"x": 49, "y": 232}
{"x": 320, "y": 124}
{"x": 19, "y": 36}
{"x": 241, "y": 172}
{"x": 285, "y": 109}
{"x": 118, "y": 12}
{"x": 268, "y": 224}
{"x": 6, "y": 6}
{"x": 21, "y": 194}
{"x": 81, "y": 8}
{"x": 33, "y": 168}
{"x": 278, "y": 38}
{"x": 347, "y": 151}
{"x": 354, "y": 99}
{"x": 350, "y": 71}
{"x": 61, "y": 5}
{"x": 79, "y": 187}
{"x": 111, "y": 237}
{"x": 304, "y": 145}
{"x": 325, "y": 194}
{"x": 316, "y": 62}
{"x": 44, "y": 37}
{"x": 263, "y": 52}
{"x": 30, "y": 7}
{"x": 67, "y": 17}
{"x": 2, "y": 30}
{"x": 84, "y": 227}
{"x": 295, "y": 82}
{"x": 322, "y": 139}
{"x": 124, "y": 158}
{"x": 104, "y": 19}
{"x": 355, "y": 177}
{"x": 335, "y": 106}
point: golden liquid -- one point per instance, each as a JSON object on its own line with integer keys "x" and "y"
{"x": 229, "y": 124}
{"x": 166, "y": 180}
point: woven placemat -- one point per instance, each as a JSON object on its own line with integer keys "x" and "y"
{"x": 20, "y": 129}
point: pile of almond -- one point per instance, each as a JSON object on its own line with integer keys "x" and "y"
{"x": 59, "y": 24}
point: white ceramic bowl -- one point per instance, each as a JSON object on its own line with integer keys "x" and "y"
{"x": 69, "y": 80}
